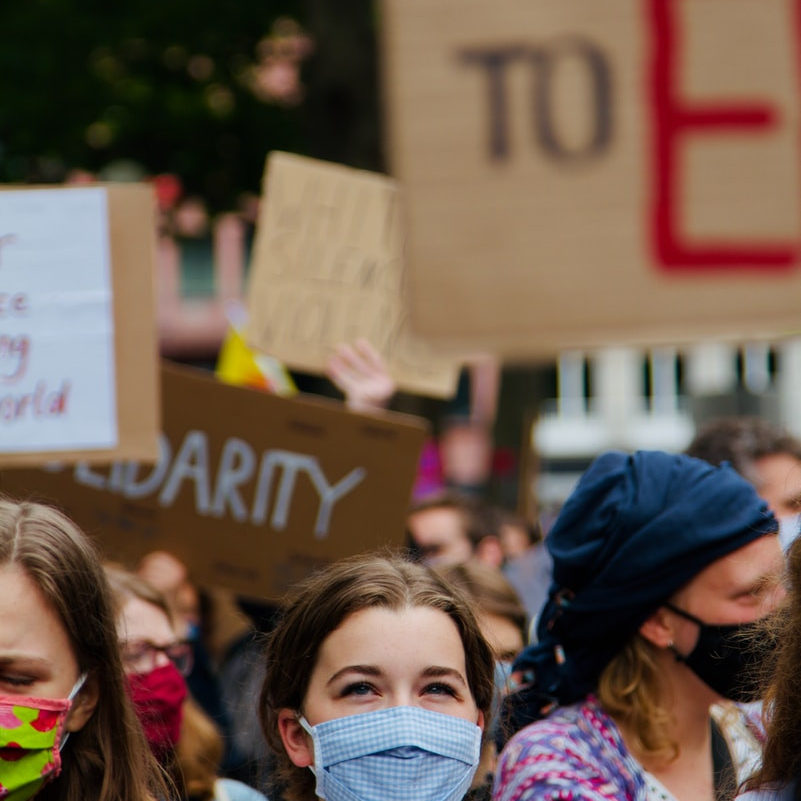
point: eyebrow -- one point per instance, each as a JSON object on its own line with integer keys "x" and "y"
{"x": 434, "y": 671}
{"x": 24, "y": 660}
{"x": 367, "y": 670}
{"x": 442, "y": 672}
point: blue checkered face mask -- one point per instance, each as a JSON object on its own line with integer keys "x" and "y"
{"x": 393, "y": 755}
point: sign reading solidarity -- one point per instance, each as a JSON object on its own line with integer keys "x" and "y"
{"x": 251, "y": 490}
{"x": 582, "y": 174}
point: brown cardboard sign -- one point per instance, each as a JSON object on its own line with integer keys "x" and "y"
{"x": 251, "y": 490}
{"x": 328, "y": 268}
{"x": 78, "y": 347}
{"x": 578, "y": 174}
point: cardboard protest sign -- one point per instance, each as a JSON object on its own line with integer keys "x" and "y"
{"x": 78, "y": 349}
{"x": 578, "y": 174}
{"x": 328, "y": 268}
{"x": 251, "y": 490}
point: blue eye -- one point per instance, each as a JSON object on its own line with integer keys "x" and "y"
{"x": 358, "y": 688}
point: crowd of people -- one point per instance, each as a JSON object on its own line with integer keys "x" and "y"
{"x": 646, "y": 648}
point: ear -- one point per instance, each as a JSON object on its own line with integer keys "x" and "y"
{"x": 297, "y": 743}
{"x": 480, "y": 721}
{"x": 83, "y": 705}
{"x": 657, "y": 629}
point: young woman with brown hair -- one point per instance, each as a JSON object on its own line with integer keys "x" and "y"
{"x": 377, "y": 688}
{"x": 67, "y": 728}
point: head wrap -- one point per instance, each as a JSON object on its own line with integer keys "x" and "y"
{"x": 635, "y": 530}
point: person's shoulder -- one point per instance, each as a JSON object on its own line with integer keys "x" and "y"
{"x": 234, "y": 790}
{"x": 574, "y": 750}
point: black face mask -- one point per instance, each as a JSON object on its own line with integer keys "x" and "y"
{"x": 727, "y": 658}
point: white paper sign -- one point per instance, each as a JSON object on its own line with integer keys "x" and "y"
{"x": 57, "y": 375}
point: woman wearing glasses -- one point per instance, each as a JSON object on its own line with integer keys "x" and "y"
{"x": 181, "y": 736}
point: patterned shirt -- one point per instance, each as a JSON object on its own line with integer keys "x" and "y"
{"x": 577, "y": 754}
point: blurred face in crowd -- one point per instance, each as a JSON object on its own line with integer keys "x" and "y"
{"x": 439, "y": 534}
{"x": 141, "y": 625}
{"x": 36, "y": 656}
{"x": 380, "y": 658}
{"x": 503, "y": 635}
{"x": 514, "y": 539}
{"x": 778, "y": 481}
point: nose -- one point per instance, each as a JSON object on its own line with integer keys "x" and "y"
{"x": 160, "y": 659}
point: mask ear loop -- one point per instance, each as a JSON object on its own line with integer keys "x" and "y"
{"x": 76, "y": 688}
{"x": 309, "y": 729}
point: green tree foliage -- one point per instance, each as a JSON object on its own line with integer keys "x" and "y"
{"x": 163, "y": 84}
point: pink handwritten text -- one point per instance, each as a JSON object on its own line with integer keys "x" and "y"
{"x": 39, "y": 404}
{"x": 14, "y": 356}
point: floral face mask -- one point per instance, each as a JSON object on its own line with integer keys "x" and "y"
{"x": 31, "y": 741}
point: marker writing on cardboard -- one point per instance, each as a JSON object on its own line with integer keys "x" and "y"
{"x": 277, "y": 473}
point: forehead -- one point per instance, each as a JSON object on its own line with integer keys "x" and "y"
{"x": 398, "y": 640}
{"x": 778, "y": 473}
{"x": 29, "y": 626}
{"x": 739, "y": 570}
{"x": 140, "y": 620}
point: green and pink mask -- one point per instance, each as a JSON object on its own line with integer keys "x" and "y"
{"x": 31, "y": 738}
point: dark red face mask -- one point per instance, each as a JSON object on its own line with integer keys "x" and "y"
{"x": 158, "y": 697}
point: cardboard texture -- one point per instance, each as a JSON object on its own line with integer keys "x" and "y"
{"x": 252, "y": 491}
{"x": 328, "y": 268}
{"x": 131, "y": 215}
{"x": 579, "y": 174}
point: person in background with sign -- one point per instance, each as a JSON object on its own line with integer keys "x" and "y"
{"x": 182, "y": 737}
{"x": 462, "y": 458}
{"x": 68, "y": 731}
{"x": 378, "y": 686}
{"x": 766, "y": 455}
{"x": 661, "y": 564}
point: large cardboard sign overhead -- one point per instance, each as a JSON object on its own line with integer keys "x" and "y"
{"x": 251, "y": 490}
{"x": 580, "y": 173}
{"x": 78, "y": 348}
{"x": 328, "y": 269}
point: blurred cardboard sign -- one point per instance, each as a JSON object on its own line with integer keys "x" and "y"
{"x": 78, "y": 347}
{"x": 578, "y": 174}
{"x": 328, "y": 268}
{"x": 252, "y": 491}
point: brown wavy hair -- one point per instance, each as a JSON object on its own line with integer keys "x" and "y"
{"x": 320, "y": 604}
{"x": 631, "y": 691}
{"x": 108, "y": 759}
{"x": 781, "y": 757}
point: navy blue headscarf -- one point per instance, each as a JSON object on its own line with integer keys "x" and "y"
{"x": 635, "y": 530}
